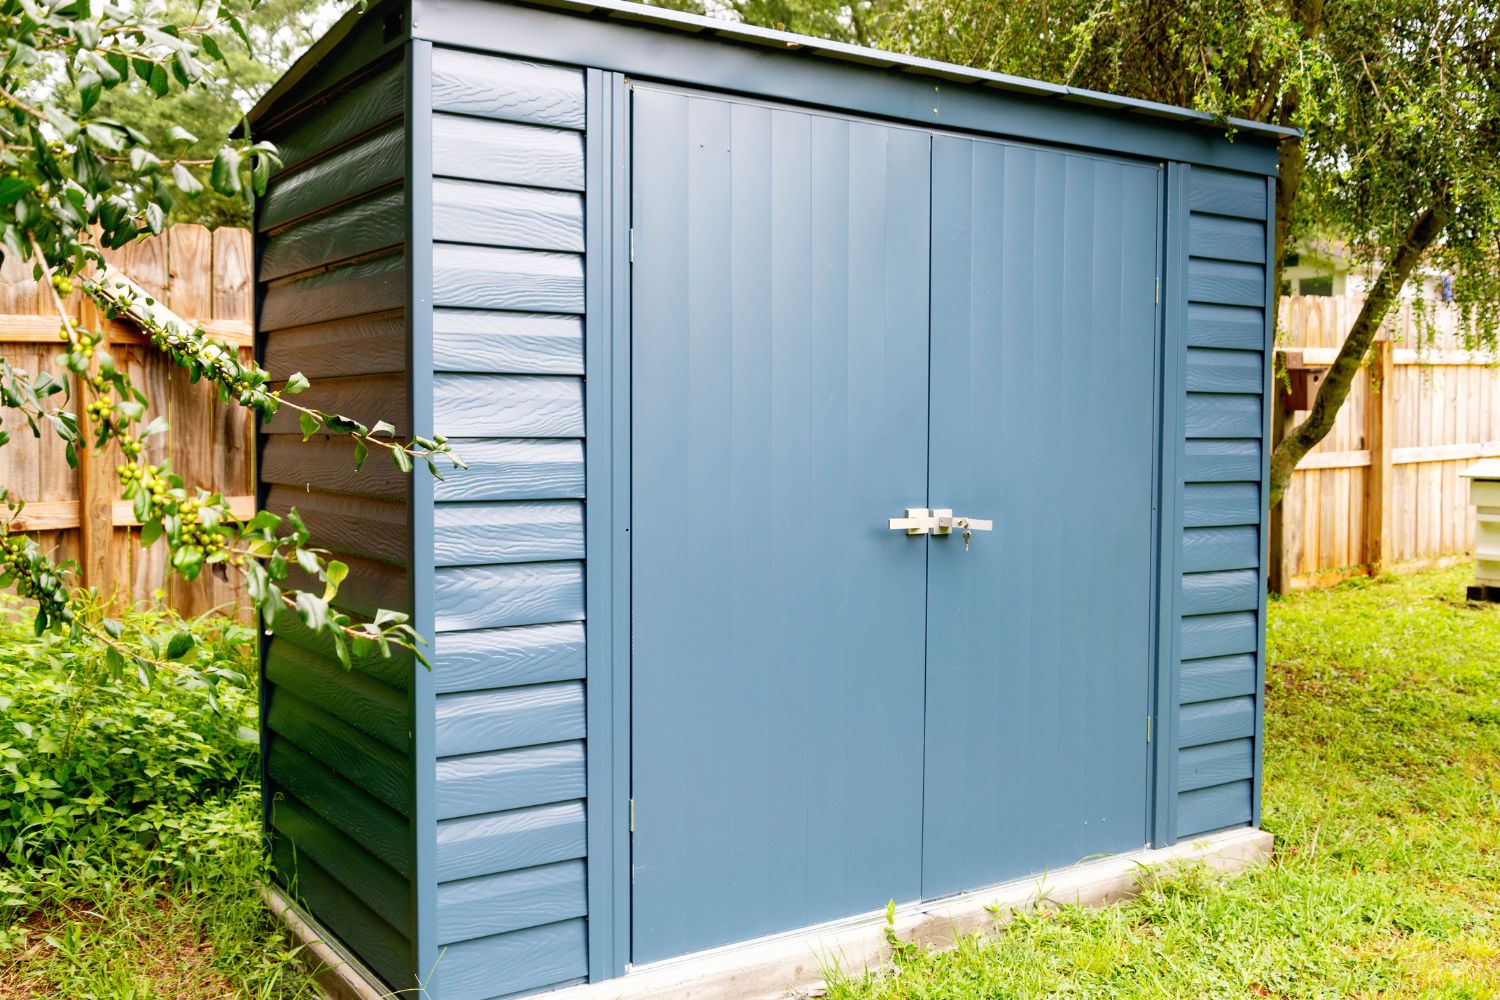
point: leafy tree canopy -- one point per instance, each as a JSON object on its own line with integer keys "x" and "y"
{"x": 1398, "y": 102}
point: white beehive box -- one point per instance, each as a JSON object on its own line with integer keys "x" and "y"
{"x": 1484, "y": 494}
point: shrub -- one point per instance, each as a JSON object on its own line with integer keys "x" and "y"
{"x": 101, "y": 761}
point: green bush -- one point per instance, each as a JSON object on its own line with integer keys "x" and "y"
{"x": 98, "y": 760}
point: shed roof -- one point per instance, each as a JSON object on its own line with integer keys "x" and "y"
{"x": 805, "y": 46}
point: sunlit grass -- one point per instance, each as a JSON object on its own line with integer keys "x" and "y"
{"x": 1383, "y": 791}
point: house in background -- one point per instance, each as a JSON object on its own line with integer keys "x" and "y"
{"x": 1322, "y": 267}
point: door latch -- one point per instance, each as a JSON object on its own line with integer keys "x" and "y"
{"x": 918, "y": 521}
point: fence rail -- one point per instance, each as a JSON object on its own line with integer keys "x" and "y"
{"x": 1383, "y": 489}
{"x": 204, "y": 276}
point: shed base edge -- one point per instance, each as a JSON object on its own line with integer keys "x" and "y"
{"x": 794, "y": 963}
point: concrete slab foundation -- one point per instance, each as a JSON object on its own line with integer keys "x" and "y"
{"x": 794, "y": 963}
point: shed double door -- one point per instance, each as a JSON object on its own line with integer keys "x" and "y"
{"x": 834, "y": 320}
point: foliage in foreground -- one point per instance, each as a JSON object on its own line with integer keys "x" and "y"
{"x": 1383, "y": 791}
{"x": 1382, "y": 788}
{"x": 129, "y": 820}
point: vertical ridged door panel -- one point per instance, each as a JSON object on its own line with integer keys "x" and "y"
{"x": 779, "y": 387}
{"x": 1039, "y": 635}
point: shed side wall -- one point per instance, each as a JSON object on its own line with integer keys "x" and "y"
{"x": 508, "y": 539}
{"x": 331, "y": 285}
{"x": 1220, "y": 466}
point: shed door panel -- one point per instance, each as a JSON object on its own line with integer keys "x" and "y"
{"x": 1043, "y": 361}
{"x": 779, "y": 394}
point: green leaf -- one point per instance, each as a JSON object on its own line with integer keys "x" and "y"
{"x": 211, "y": 46}
{"x": 295, "y": 383}
{"x": 335, "y": 572}
{"x": 12, "y": 189}
{"x": 179, "y": 645}
{"x": 158, "y": 81}
{"x": 225, "y": 176}
{"x": 402, "y": 460}
{"x": 382, "y": 427}
{"x": 185, "y": 181}
{"x": 181, "y": 136}
{"x": 313, "y": 610}
{"x": 310, "y": 425}
{"x": 361, "y": 452}
{"x": 150, "y": 532}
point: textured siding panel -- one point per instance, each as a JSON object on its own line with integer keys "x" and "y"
{"x": 360, "y": 227}
{"x": 503, "y": 215}
{"x": 327, "y": 463}
{"x": 1224, "y": 371}
{"x": 513, "y": 717}
{"x": 365, "y": 704}
{"x": 371, "y": 528}
{"x": 365, "y": 762}
{"x": 1226, "y": 283}
{"x": 520, "y": 838}
{"x": 1217, "y": 677}
{"x": 1231, "y": 590}
{"x": 518, "y": 343}
{"x": 377, "y": 942}
{"x": 1221, "y": 464}
{"x": 374, "y": 826}
{"x": 517, "y": 469}
{"x": 509, "y": 901}
{"x": 508, "y": 661}
{"x": 373, "y": 101}
{"x": 1213, "y": 504}
{"x": 509, "y": 779}
{"x": 357, "y": 345}
{"x": 1206, "y": 460}
{"x": 387, "y": 894}
{"x": 508, "y": 405}
{"x": 367, "y": 286}
{"x": 1218, "y": 635}
{"x": 373, "y": 162}
{"x": 506, "y": 89}
{"x": 474, "y": 534}
{"x": 1235, "y": 327}
{"x": 366, "y": 398}
{"x": 1213, "y": 721}
{"x": 1215, "y": 764}
{"x": 1228, "y": 239}
{"x": 1217, "y": 415}
{"x": 507, "y": 153}
{"x": 522, "y": 960}
{"x": 332, "y": 286}
{"x": 492, "y": 658}
{"x": 501, "y": 596}
{"x": 502, "y": 278}
{"x": 1207, "y": 809}
{"x": 1222, "y": 193}
{"x": 1220, "y": 548}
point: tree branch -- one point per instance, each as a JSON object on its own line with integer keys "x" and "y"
{"x": 1423, "y": 232}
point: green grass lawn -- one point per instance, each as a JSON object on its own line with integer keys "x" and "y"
{"x": 1382, "y": 788}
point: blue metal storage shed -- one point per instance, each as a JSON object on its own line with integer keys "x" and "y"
{"x": 747, "y": 339}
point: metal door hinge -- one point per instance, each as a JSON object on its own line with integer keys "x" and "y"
{"x": 1148, "y": 729}
{"x": 632, "y": 245}
{"x": 632, "y": 815}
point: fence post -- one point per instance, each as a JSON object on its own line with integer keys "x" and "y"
{"x": 96, "y": 483}
{"x": 1379, "y": 479}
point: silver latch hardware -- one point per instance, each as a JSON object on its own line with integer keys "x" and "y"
{"x": 918, "y": 521}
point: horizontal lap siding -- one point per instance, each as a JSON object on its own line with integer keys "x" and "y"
{"x": 1221, "y": 464}
{"x": 332, "y": 281}
{"x": 508, "y": 657}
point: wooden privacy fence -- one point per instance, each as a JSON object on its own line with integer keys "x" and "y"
{"x": 203, "y": 276}
{"x": 1382, "y": 491}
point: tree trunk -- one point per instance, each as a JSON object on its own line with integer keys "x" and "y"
{"x": 1301, "y": 439}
